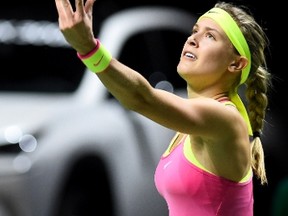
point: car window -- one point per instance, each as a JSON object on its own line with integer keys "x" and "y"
{"x": 36, "y": 58}
{"x": 155, "y": 54}
{"x": 32, "y": 66}
{"x": 32, "y": 62}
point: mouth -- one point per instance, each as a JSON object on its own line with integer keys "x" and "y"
{"x": 190, "y": 55}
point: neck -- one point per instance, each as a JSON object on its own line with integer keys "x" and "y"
{"x": 221, "y": 96}
{"x": 216, "y": 95}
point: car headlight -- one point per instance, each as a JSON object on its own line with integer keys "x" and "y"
{"x": 13, "y": 140}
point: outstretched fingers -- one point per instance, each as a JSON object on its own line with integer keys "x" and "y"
{"x": 89, "y": 7}
{"x": 64, "y": 9}
{"x": 79, "y": 4}
{"x": 75, "y": 24}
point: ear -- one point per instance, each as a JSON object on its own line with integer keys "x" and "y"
{"x": 238, "y": 64}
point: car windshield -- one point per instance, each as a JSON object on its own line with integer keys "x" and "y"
{"x": 32, "y": 62}
{"x": 36, "y": 58}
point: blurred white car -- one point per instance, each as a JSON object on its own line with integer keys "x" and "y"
{"x": 67, "y": 148}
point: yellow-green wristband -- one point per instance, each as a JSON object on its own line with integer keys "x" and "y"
{"x": 98, "y": 59}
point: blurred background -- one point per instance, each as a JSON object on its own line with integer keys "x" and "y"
{"x": 274, "y": 142}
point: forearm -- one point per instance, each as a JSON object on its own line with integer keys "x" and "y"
{"x": 126, "y": 85}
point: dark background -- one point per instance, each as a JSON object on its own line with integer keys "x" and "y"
{"x": 274, "y": 144}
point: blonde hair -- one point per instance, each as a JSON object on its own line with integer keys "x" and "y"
{"x": 257, "y": 83}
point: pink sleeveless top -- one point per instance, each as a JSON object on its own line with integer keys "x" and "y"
{"x": 192, "y": 191}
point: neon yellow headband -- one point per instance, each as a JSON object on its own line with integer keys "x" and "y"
{"x": 230, "y": 27}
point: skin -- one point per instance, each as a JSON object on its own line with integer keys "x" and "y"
{"x": 218, "y": 133}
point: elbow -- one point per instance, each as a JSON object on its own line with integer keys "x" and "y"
{"x": 134, "y": 103}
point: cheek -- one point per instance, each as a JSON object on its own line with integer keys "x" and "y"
{"x": 214, "y": 62}
{"x": 218, "y": 58}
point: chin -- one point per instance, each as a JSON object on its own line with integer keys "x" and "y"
{"x": 183, "y": 70}
{"x": 181, "y": 74}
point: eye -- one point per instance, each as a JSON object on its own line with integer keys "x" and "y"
{"x": 194, "y": 31}
{"x": 210, "y": 35}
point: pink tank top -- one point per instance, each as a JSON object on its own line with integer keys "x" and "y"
{"x": 192, "y": 191}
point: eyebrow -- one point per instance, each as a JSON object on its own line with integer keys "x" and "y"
{"x": 207, "y": 28}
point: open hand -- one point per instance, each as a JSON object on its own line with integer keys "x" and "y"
{"x": 76, "y": 26}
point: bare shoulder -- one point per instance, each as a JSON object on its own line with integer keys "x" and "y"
{"x": 219, "y": 120}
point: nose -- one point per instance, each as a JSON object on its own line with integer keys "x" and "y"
{"x": 192, "y": 41}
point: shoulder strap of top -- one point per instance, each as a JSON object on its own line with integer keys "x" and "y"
{"x": 189, "y": 155}
{"x": 226, "y": 101}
